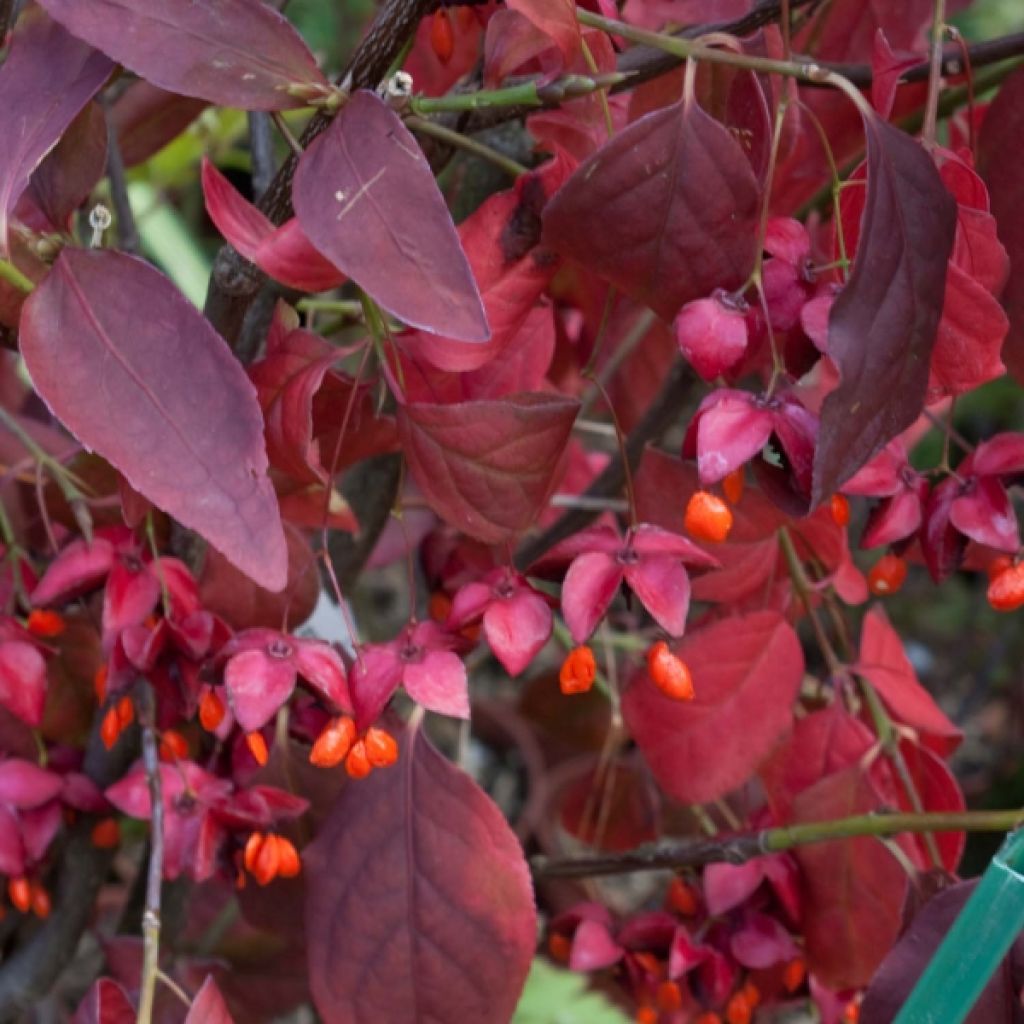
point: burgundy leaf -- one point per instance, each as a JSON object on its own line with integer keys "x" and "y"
{"x": 746, "y": 673}
{"x": 666, "y": 211}
{"x": 23, "y": 681}
{"x": 237, "y": 53}
{"x": 105, "y": 1003}
{"x": 883, "y": 325}
{"x": 487, "y": 467}
{"x": 366, "y": 197}
{"x": 48, "y": 77}
{"x": 999, "y": 1002}
{"x": 453, "y": 941}
{"x": 136, "y": 374}
{"x": 1001, "y": 151}
{"x": 209, "y": 1007}
{"x": 147, "y": 118}
{"x": 556, "y": 18}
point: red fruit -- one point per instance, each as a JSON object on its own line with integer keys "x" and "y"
{"x": 106, "y": 834}
{"x": 669, "y": 672}
{"x": 252, "y": 851}
{"x": 682, "y": 898}
{"x": 840, "y": 509}
{"x": 381, "y": 748}
{"x": 439, "y": 606}
{"x": 173, "y": 746}
{"x": 647, "y": 1015}
{"x": 732, "y": 486}
{"x": 289, "y": 862}
{"x": 99, "y": 684}
{"x": 442, "y": 36}
{"x": 997, "y": 566}
{"x": 887, "y": 575}
{"x": 41, "y": 905}
{"x": 738, "y": 1010}
{"x": 20, "y": 893}
{"x": 669, "y": 997}
{"x": 267, "y": 861}
{"x": 560, "y": 947}
{"x": 357, "y": 764}
{"x": 578, "y": 671}
{"x": 794, "y": 974}
{"x": 334, "y": 742}
{"x": 851, "y": 1013}
{"x": 1006, "y": 591}
{"x": 257, "y": 747}
{"x": 211, "y": 710}
{"x": 110, "y": 728}
{"x": 709, "y": 1018}
{"x": 46, "y": 624}
{"x": 707, "y": 517}
{"x": 712, "y": 334}
{"x": 125, "y": 712}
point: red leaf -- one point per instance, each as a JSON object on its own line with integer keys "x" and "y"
{"x": 23, "y": 681}
{"x": 883, "y": 325}
{"x": 487, "y": 467}
{"x": 137, "y": 375}
{"x": 147, "y": 118}
{"x": 939, "y": 791}
{"x": 854, "y": 888}
{"x": 1001, "y": 150}
{"x": 209, "y": 1007}
{"x": 746, "y": 673}
{"x": 284, "y": 253}
{"x": 237, "y": 53}
{"x": 366, "y": 197}
{"x": 48, "y": 77}
{"x": 886, "y": 666}
{"x": 105, "y": 1003}
{"x": 666, "y": 211}
{"x": 887, "y": 66}
{"x": 24, "y": 785}
{"x": 556, "y": 18}
{"x": 405, "y": 954}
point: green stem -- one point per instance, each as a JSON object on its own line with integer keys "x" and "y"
{"x": 438, "y": 131}
{"x": 526, "y": 94}
{"x": 934, "y": 71}
{"x": 13, "y": 276}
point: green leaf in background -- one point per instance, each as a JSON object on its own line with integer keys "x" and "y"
{"x": 554, "y": 996}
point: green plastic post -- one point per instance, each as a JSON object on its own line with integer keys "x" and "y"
{"x": 976, "y": 944}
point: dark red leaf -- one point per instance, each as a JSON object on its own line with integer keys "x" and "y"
{"x": 453, "y": 941}
{"x": 366, "y": 197}
{"x": 209, "y": 1007}
{"x": 105, "y": 1003}
{"x": 488, "y": 467}
{"x": 886, "y": 666}
{"x": 48, "y": 77}
{"x": 746, "y": 673}
{"x": 854, "y": 888}
{"x": 883, "y": 325}
{"x": 237, "y": 53}
{"x": 147, "y": 118}
{"x": 23, "y": 681}
{"x": 939, "y": 791}
{"x": 137, "y": 375}
{"x": 999, "y": 1002}
{"x": 556, "y": 18}
{"x": 1000, "y": 154}
{"x": 667, "y": 210}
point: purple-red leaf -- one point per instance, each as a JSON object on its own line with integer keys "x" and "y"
{"x": 366, "y": 197}
{"x": 137, "y": 375}
{"x": 105, "y": 1003}
{"x": 1000, "y": 153}
{"x": 666, "y": 211}
{"x": 48, "y": 77}
{"x": 23, "y": 681}
{"x": 237, "y": 53}
{"x": 438, "y": 922}
{"x": 883, "y": 325}
{"x": 209, "y": 1007}
{"x": 746, "y": 673}
{"x": 487, "y": 467}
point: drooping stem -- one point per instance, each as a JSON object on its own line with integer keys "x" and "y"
{"x": 934, "y": 71}
{"x": 155, "y": 868}
{"x": 452, "y": 138}
{"x": 736, "y": 849}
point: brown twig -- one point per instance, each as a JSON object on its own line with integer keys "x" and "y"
{"x": 155, "y": 868}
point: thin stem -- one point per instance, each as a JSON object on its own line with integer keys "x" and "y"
{"x": 602, "y": 97}
{"x": 931, "y": 106}
{"x": 736, "y": 849}
{"x": 154, "y": 877}
{"x": 166, "y": 979}
{"x": 286, "y": 133}
{"x": 13, "y": 276}
{"x": 526, "y": 94}
{"x": 438, "y": 131}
